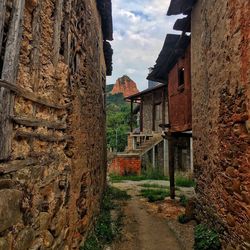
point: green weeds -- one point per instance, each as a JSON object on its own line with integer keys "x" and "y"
{"x": 206, "y": 239}
{"x": 155, "y": 194}
{"x": 106, "y": 230}
{"x": 148, "y": 175}
{"x": 183, "y": 200}
{"x": 183, "y": 181}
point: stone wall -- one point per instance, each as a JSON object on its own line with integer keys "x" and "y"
{"x": 221, "y": 109}
{"x": 147, "y": 120}
{"x": 51, "y": 185}
{"x": 147, "y": 113}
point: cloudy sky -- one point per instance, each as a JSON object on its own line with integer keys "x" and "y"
{"x": 140, "y": 27}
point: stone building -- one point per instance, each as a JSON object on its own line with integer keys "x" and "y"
{"x": 220, "y": 48}
{"x": 165, "y": 106}
{"x": 146, "y": 146}
{"x": 54, "y": 57}
{"x": 173, "y": 68}
{"x": 148, "y": 141}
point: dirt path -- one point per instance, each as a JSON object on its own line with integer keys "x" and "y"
{"x": 144, "y": 228}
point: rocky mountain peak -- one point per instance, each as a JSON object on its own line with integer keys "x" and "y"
{"x": 126, "y": 86}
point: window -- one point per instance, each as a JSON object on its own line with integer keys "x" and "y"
{"x": 181, "y": 77}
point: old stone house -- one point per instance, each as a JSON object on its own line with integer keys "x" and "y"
{"x": 54, "y": 57}
{"x": 146, "y": 149}
{"x": 147, "y": 140}
{"x": 173, "y": 68}
{"x": 164, "y": 106}
{"x": 220, "y": 75}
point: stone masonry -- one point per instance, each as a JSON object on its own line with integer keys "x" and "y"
{"x": 52, "y": 182}
{"x": 221, "y": 117}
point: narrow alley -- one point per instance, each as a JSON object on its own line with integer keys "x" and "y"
{"x": 145, "y": 223}
{"x": 124, "y": 125}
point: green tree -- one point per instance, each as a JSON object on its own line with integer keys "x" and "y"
{"x": 118, "y": 120}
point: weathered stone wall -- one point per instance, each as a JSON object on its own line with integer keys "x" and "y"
{"x": 159, "y": 111}
{"x": 51, "y": 185}
{"x": 147, "y": 113}
{"x": 221, "y": 109}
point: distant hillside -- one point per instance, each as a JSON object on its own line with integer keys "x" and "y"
{"x": 117, "y": 99}
{"x": 109, "y": 88}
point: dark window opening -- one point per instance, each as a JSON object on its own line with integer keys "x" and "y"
{"x": 181, "y": 77}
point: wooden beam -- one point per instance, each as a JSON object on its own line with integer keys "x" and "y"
{"x": 9, "y": 73}
{"x": 163, "y": 106}
{"x": 18, "y": 90}
{"x": 2, "y": 18}
{"x": 57, "y": 30}
{"x": 17, "y": 165}
{"x": 131, "y": 115}
{"x": 153, "y": 111}
{"x": 33, "y": 122}
{"x": 48, "y": 138}
{"x": 36, "y": 42}
{"x": 171, "y": 167}
{"x": 67, "y": 31}
{"x": 141, "y": 115}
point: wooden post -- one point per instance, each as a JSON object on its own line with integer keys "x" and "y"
{"x": 191, "y": 155}
{"x": 171, "y": 166}
{"x": 131, "y": 115}
{"x": 57, "y": 30}
{"x": 153, "y": 111}
{"x": 67, "y": 34}
{"x": 2, "y": 18}
{"x": 35, "y": 54}
{"x": 163, "y": 106}
{"x": 141, "y": 115}
{"x": 153, "y": 157}
{"x": 9, "y": 73}
{"x": 166, "y": 157}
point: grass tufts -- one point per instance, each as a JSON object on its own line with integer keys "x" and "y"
{"x": 155, "y": 194}
{"x": 206, "y": 239}
{"x": 182, "y": 181}
{"x": 106, "y": 230}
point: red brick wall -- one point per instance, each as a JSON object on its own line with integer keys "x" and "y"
{"x": 123, "y": 165}
{"x": 180, "y": 111}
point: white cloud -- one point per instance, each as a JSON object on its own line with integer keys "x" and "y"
{"x": 140, "y": 27}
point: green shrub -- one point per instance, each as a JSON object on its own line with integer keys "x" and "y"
{"x": 183, "y": 200}
{"x": 206, "y": 239}
{"x": 183, "y": 181}
{"x": 117, "y": 194}
{"x": 155, "y": 194}
{"x": 183, "y": 219}
{"x": 106, "y": 230}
